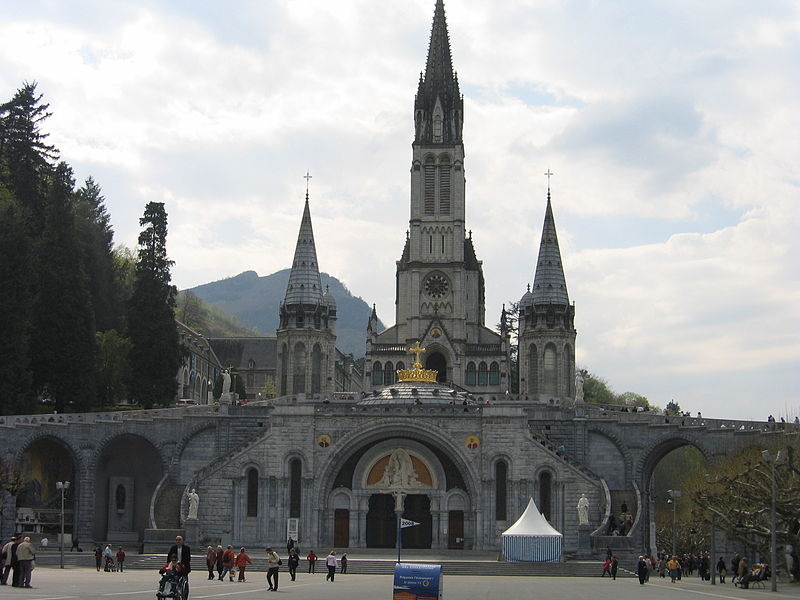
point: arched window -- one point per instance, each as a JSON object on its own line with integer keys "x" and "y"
{"x": 472, "y": 374}
{"x": 252, "y": 492}
{"x": 284, "y": 369}
{"x": 483, "y": 374}
{"x": 444, "y": 186}
{"x": 546, "y": 495}
{"x": 429, "y": 171}
{"x": 377, "y": 373}
{"x": 500, "y": 490}
{"x": 494, "y": 374}
{"x": 400, "y": 365}
{"x": 533, "y": 370}
{"x": 437, "y": 127}
{"x": 388, "y": 374}
{"x": 299, "y": 375}
{"x": 550, "y": 370}
{"x": 316, "y": 370}
{"x": 295, "y": 486}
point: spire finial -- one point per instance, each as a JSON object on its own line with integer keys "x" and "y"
{"x": 307, "y": 176}
{"x": 548, "y": 174}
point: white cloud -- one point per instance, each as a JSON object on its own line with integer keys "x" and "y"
{"x": 672, "y": 129}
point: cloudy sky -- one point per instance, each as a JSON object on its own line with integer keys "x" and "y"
{"x": 672, "y": 129}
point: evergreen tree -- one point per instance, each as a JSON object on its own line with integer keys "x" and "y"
{"x": 155, "y": 349}
{"x": 63, "y": 337}
{"x": 97, "y": 239}
{"x": 15, "y": 306}
{"x": 113, "y": 367}
{"x": 22, "y": 146}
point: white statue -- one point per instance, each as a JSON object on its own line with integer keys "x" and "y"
{"x": 226, "y": 381}
{"x": 399, "y": 473}
{"x": 583, "y": 510}
{"x": 579, "y": 385}
{"x": 194, "y": 504}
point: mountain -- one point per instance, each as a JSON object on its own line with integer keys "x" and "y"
{"x": 209, "y": 320}
{"x": 254, "y": 301}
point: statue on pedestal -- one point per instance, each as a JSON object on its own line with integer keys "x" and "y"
{"x": 194, "y": 504}
{"x": 226, "y": 381}
{"x": 579, "y": 386}
{"x": 583, "y": 510}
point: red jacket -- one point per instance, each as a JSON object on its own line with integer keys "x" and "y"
{"x": 227, "y": 558}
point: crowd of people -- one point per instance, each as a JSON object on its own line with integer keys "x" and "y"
{"x": 18, "y": 559}
{"x": 678, "y": 566}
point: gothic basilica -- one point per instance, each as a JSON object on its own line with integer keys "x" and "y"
{"x": 429, "y": 431}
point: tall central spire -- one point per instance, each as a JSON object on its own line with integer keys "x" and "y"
{"x": 438, "y": 107}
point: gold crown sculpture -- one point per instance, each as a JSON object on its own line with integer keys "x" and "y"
{"x": 417, "y": 373}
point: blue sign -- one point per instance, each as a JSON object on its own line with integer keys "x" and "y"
{"x": 414, "y": 581}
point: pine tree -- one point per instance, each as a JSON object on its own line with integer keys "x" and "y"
{"x": 97, "y": 240}
{"x": 22, "y": 146}
{"x": 63, "y": 339}
{"x": 15, "y": 306}
{"x": 155, "y": 349}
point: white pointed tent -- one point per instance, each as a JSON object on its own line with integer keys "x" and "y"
{"x": 532, "y": 538}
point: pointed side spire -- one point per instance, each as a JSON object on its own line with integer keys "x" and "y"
{"x": 549, "y": 283}
{"x": 305, "y": 286}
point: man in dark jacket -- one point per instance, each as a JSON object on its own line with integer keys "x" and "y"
{"x": 184, "y": 556}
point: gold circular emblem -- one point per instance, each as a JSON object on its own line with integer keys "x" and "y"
{"x": 436, "y": 332}
{"x": 473, "y": 442}
{"x": 324, "y": 440}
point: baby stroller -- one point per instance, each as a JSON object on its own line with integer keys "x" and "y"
{"x": 109, "y": 565}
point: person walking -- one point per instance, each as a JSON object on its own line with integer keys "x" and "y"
{"x": 330, "y": 562}
{"x": 7, "y": 549}
{"x": 108, "y": 558}
{"x": 220, "y": 552}
{"x": 721, "y": 569}
{"x": 674, "y": 567}
{"x": 25, "y": 556}
{"x": 273, "y": 562}
{"x": 606, "y": 567}
{"x": 289, "y": 545}
{"x": 312, "y": 562}
{"x": 614, "y": 566}
{"x": 211, "y": 562}
{"x": 184, "y": 555}
{"x": 228, "y": 558}
{"x": 75, "y": 545}
{"x": 293, "y": 561}
{"x": 120, "y": 560}
{"x": 242, "y": 560}
{"x": 642, "y": 570}
{"x": 343, "y": 562}
{"x": 98, "y": 557}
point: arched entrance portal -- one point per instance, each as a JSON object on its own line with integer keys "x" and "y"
{"x": 128, "y": 471}
{"x": 437, "y": 361}
{"x": 45, "y": 462}
{"x": 361, "y": 505}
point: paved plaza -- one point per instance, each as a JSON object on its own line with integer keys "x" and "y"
{"x": 86, "y": 584}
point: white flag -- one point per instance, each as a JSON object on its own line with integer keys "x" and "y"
{"x": 406, "y": 523}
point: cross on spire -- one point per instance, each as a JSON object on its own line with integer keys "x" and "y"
{"x": 307, "y": 177}
{"x": 417, "y": 350}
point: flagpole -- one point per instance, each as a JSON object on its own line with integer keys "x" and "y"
{"x": 399, "y": 514}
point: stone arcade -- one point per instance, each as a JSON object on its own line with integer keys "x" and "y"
{"x": 453, "y": 448}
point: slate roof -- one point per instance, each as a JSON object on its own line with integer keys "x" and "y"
{"x": 237, "y": 352}
{"x": 549, "y": 283}
{"x": 304, "y": 285}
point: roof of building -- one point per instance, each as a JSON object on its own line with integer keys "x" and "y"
{"x": 417, "y": 392}
{"x": 238, "y": 352}
{"x": 549, "y": 283}
{"x": 304, "y": 285}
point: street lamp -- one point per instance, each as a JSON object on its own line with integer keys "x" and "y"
{"x": 772, "y": 461}
{"x": 673, "y": 499}
{"x": 63, "y": 486}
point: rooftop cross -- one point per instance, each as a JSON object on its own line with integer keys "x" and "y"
{"x": 548, "y": 174}
{"x": 417, "y": 350}
{"x": 307, "y": 176}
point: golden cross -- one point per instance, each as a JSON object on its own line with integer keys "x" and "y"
{"x": 417, "y": 350}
